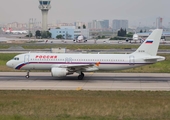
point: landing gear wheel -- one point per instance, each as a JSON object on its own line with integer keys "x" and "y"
{"x": 27, "y": 76}
{"x": 81, "y": 76}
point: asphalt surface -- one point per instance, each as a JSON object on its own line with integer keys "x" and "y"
{"x": 91, "y": 81}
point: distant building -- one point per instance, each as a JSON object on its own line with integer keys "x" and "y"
{"x": 94, "y": 24}
{"x": 89, "y": 25}
{"x": 118, "y": 24}
{"x": 146, "y": 34}
{"x": 69, "y": 32}
{"x": 105, "y": 24}
{"x": 98, "y": 25}
{"x": 159, "y": 22}
{"x": 64, "y": 24}
{"x": 16, "y": 26}
{"x": 79, "y": 24}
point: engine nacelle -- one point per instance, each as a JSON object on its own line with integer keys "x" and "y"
{"x": 59, "y": 72}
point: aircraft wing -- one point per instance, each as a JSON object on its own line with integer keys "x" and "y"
{"x": 77, "y": 67}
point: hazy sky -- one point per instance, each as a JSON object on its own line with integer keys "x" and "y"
{"x": 144, "y": 11}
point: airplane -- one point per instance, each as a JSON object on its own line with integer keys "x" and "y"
{"x": 62, "y": 65}
{"x": 8, "y": 31}
{"x": 19, "y": 32}
{"x": 134, "y": 38}
{"x": 80, "y": 39}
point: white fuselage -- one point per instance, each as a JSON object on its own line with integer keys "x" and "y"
{"x": 15, "y": 31}
{"x": 135, "y": 37}
{"x": 19, "y": 32}
{"x": 80, "y": 39}
{"x": 46, "y": 61}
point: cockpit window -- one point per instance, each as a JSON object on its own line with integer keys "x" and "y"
{"x": 16, "y": 58}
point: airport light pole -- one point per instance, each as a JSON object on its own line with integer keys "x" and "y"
{"x": 34, "y": 23}
{"x": 30, "y": 21}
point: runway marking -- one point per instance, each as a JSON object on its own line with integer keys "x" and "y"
{"x": 79, "y": 88}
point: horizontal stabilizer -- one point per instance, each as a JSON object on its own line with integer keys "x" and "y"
{"x": 154, "y": 58}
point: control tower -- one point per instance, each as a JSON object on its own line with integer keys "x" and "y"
{"x": 44, "y": 7}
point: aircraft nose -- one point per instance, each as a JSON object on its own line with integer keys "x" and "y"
{"x": 9, "y": 64}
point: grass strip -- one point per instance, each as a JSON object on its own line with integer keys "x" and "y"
{"x": 77, "y": 46}
{"x": 84, "y": 105}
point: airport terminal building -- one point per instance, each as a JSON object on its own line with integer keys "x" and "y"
{"x": 69, "y": 32}
{"x": 165, "y": 34}
{"x": 145, "y": 34}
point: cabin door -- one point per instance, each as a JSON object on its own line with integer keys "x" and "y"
{"x": 131, "y": 60}
{"x": 26, "y": 58}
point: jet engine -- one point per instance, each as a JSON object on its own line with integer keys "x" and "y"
{"x": 60, "y": 72}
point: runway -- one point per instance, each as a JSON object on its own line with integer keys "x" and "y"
{"x": 92, "y": 81}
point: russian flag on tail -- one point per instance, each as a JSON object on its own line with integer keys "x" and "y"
{"x": 149, "y": 42}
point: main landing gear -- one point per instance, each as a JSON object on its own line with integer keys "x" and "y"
{"x": 27, "y": 76}
{"x": 81, "y": 76}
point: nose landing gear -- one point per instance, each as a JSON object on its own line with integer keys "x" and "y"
{"x": 27, "y": 76}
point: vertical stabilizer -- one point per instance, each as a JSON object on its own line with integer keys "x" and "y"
{"x": 151, "y": 44}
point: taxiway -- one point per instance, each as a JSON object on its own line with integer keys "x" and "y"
{"x": 92, "y": 81}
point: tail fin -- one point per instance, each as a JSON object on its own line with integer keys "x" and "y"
{"x": 4, "y": 29}
{"x": 10, "y": 29}
{"x": 151, "y": 44}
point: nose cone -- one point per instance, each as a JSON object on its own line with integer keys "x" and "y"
{"x": 9, "y": 64}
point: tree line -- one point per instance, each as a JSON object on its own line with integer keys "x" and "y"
{"x": 42, "y": 34}
{"x": 122, "y": 32}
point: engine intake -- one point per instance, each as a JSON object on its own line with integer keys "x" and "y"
{"x": 59, "y": 72}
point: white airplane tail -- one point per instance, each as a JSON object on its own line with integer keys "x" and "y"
{"x": 3, "y": 29}
{"x": 151, "y": 44}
